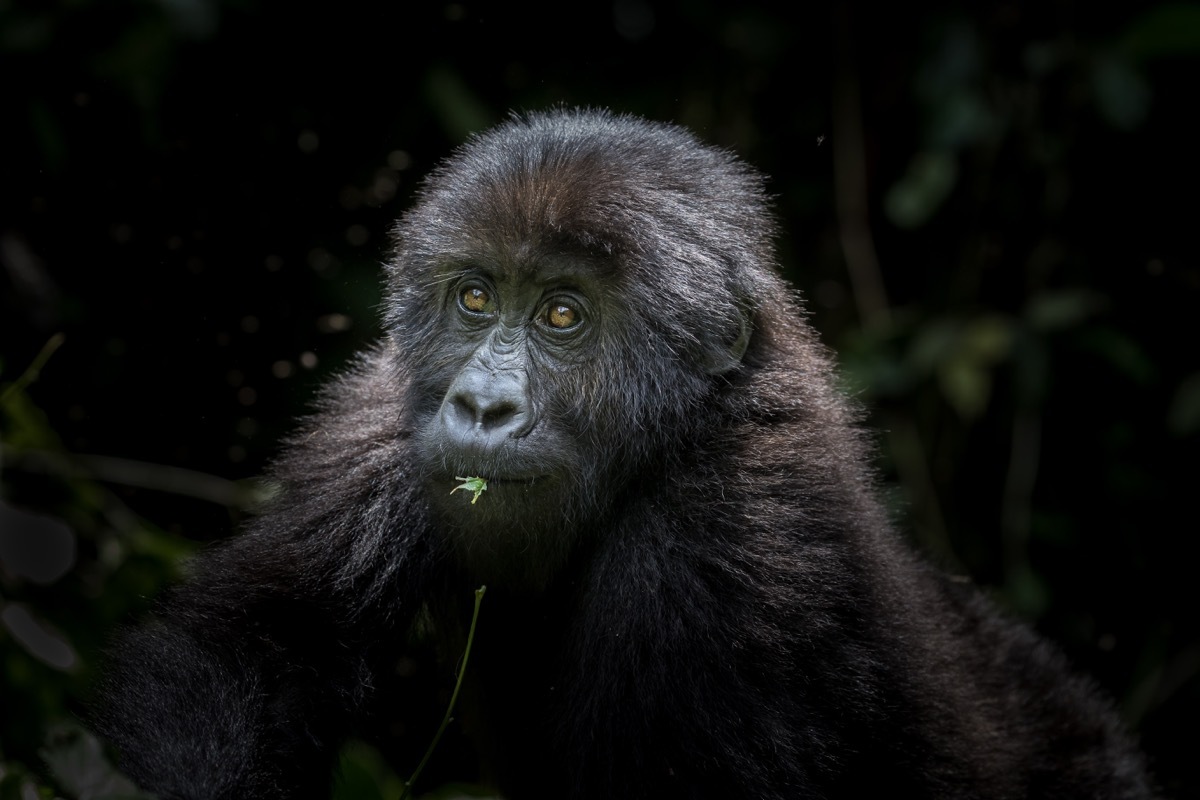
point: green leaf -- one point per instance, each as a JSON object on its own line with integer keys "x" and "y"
{"x": 1059, "y": 310}
{"x": 1184, "y": 415}
{"x": 917, "y": 196}
{"x": 476, "y": 485}
{"x": 77, "y": 761}
{"x": 1122, "y": 95}
{"x": 1169, "y": 30}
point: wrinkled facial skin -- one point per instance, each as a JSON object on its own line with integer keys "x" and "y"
{"x": 515, "y": 346}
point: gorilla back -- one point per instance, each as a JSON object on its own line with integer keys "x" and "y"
{"x": 693, "y": 591}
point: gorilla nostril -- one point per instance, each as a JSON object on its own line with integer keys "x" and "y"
{"x": 464, "y": 408}
{"x": 498, "y": 415}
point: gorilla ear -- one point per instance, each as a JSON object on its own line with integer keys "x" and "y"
{"x": 721, "y": 357}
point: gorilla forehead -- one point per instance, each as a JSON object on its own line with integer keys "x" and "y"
{"x": 639, "y": 194}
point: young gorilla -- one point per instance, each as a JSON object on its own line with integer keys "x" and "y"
{"x": 692, "y": 590}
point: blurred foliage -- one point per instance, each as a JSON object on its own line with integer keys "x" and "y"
{"x": 66, "y": 580}
{"x": 986, "y": 209}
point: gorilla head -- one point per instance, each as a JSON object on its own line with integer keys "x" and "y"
{"x": 568, "y": 295}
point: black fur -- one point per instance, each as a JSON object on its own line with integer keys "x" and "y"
{"x": 693, "y": 591}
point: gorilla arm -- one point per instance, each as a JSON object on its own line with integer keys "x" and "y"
{"x": 248, "y": 678}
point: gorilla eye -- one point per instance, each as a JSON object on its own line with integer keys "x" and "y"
{"x": 561, "y": 316}
{"x": 475, "y": 300}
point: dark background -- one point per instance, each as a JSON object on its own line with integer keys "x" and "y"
{"x": 990, "y": 210}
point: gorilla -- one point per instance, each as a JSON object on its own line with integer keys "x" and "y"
{"x": 692, "y": 588}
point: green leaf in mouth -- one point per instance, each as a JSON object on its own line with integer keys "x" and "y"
{"x": 476, "y": 485}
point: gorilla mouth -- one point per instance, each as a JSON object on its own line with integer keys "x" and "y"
{"x": 494, "y": 481}
{"x": 513, "y": 481}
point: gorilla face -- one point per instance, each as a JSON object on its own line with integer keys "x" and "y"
{"x": 517, "y": 338}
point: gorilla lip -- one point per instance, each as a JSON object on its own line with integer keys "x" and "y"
{"x": 493, "y": 480}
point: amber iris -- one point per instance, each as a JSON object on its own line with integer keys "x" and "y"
{"x": 475, "y": 299}
{"x": 561, "y": 316}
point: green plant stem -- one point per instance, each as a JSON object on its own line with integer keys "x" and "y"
{"x": 31, "y": 373}
{"x": 407, "y": 793}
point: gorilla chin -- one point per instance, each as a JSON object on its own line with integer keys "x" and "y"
{"x": 518, "y": 531}
{"x": 517, "y": 535}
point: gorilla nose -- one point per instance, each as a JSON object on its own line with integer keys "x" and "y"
{"x": 484, "y": 413}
